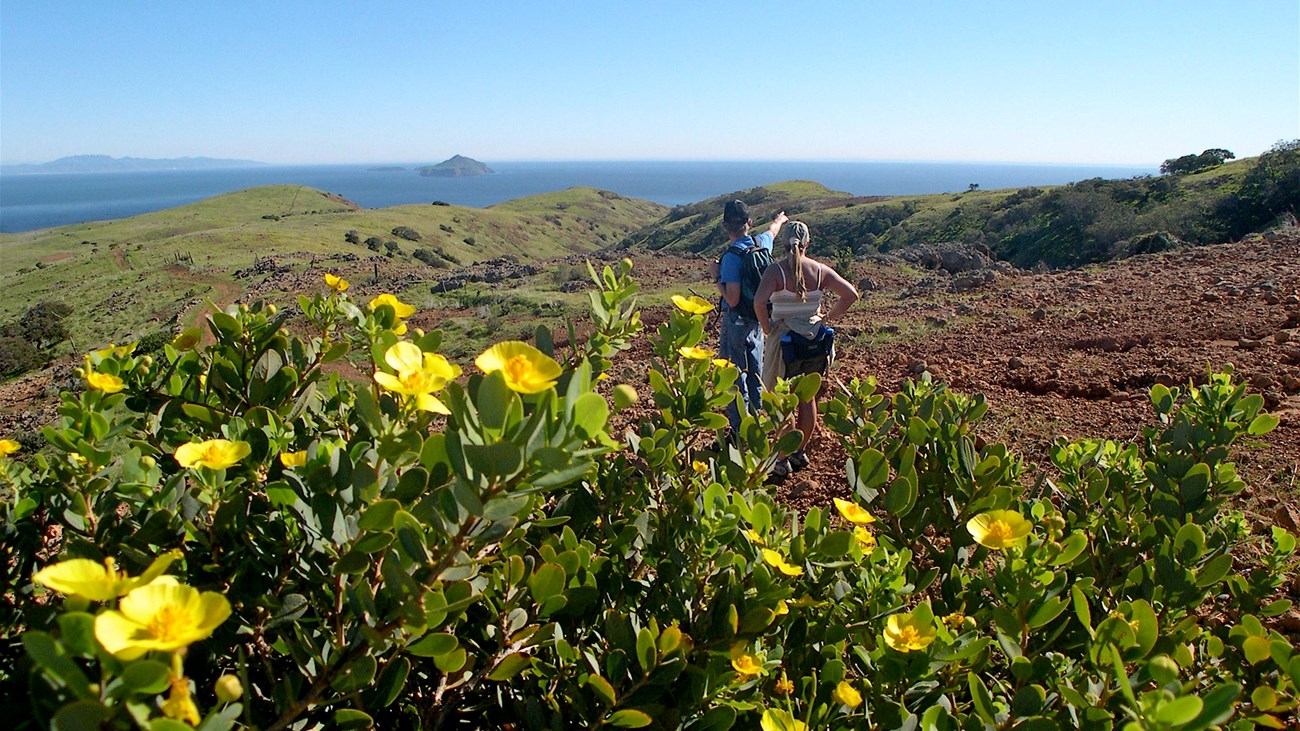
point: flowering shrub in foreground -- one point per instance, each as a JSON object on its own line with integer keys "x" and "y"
{"x": 248, "y": 541}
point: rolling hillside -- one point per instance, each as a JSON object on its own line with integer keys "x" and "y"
{"x": 129, "y": 277}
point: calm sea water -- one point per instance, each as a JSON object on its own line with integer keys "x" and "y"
{"x": 39, "y": 201}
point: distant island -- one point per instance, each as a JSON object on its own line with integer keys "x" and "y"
{"x": 107, "y": 164}
{"x": 387, "y": 169}
{"x": 458, "y": 166}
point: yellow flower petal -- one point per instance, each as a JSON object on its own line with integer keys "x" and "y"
{"x": 293, "y": 459}
{"x": 217, "y": 454}
{"x": 905, "y": 634}
{"x": 692, "y": 305}
{"x": 866, "y": 541}
{"x": 778, "y": 561}
{"x": 163, "y": 615}
{"x": 722, "y": 363}
{"x": 400, "y": 308}
{"x": 8, "y": 447}
{"x": 846, "y": 695}
{"x": 999, "y": 529}
{"x": 98, "y": 582}
{"x": 853, "y": 512}
{"x": 696, "y": 353}
{"x": 104, "y": 382}
{"x": 775, "y": 719}
{"x": 525, "y": 368}
{"x": 746, "y": 665}
{"x": 337, "y": 283}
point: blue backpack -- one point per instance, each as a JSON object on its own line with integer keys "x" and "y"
{"x": 754, "y": 260}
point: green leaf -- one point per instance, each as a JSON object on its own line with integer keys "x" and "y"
{"x": 1255, "y": 648}
{"x": 434, "y": 644}
{"x": 602, "y": 688}
{"x": 510, "y": 666}
{"x": 161, "y": 724}
{"x": 1262, "y": 424}
{"x": 901, "y": 497}
{"x": 500, "y": 460}
{"x": 148, "y": 677}
{"x": 77, "y": 633}
{"x": 379, "y": 517}
{"x": 980, "y": 697}
{"x": 357, "y": 675}
{"x": 85, "y": 714}
{"x": 646, "y": 653}
{"x": 590, "y": 413}
{"x": 629, "y": 718}
{"x": 1049, "y": 610}
{"x": 452, "y": 661}
{"x": 547, "y": 581}
{"x": 349, "y": 718}
{"x": 1071, "y": 547}
{"x": 49, "y": 654}
{"x": 1179, "y": 710}
{"x": 391, "y": 681}
{"x": 1214, "y": 570}
{"x": 493, "y": 400}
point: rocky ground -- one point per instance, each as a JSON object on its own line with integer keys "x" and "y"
{"x": 1073, "y": 353}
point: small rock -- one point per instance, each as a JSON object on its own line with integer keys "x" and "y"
{"x": 1291, "y": 384}
{"x": 1272, "y": 299}
{"x": 1247, "y": 344}
{"x": 1120, "y": 397}
{"x": 1039, "y": 315}
{"x": 1015, "y": 362}
{"x": 1281, "y": 336}
{"x": 1210, "y": 297}
{"x": 964, "y": 309}
{"x": 1262, "y": 382}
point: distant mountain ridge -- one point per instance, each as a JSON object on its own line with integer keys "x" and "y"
{"x": 109, "y": 164}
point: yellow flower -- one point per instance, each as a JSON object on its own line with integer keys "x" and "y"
{"x": 699, "y": 467}
{"x": 905, "y": 634}
{"x": 187, "y": 340}
{"x": 784, "y": 686}
{"x": 781, "y": 608}
{"x": 853, "y": 512}
{"x": 745, "y": 664}
{"x": 525, "y": 368}
{"x": 866, "y": 541}
{"x": 998, "y": 529}
{"x": 400, "y": 308}
{"x": 163, "y": 615}
{"x": 98, "y": 582}
{"x": 179, "y": 705}
{"x": 754, "y": 537}
{"x": 337, "y": 283}
{"x": 8, "y": 447}
{"x": 120, "y": 351}
{"x": 775, "y": 719}
{"x": 696, "y": 353}
{"x": 216, "y": 454}
{"x": 419, "y": 374}
{"x": 104, "y": 382}
{"x": 692, "y": 305}
{"x": 293, "y": 459}
{"x": 846, "y": 695}
{"x": 772, "y": 558}
{"x": 721, "y": 362}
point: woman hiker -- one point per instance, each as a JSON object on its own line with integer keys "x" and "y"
{"x": 793, "y": 287}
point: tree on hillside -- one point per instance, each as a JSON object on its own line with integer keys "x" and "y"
{"x": 1188, "y": 164}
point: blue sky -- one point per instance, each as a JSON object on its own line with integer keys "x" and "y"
{"x": 385, "y": 81}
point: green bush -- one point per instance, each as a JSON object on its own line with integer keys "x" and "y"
{"x": 421, "y": 550}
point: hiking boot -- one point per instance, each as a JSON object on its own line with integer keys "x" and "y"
{"x": 780, "y": 472}
{"x": 798, "y": 461}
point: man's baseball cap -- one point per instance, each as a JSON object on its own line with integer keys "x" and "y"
{"x": 736, "y": 212}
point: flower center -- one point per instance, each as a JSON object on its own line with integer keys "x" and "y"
{"x": 1000, "y": 531}
{"x": 517, "y": 368}
{"x": 908, "y": 636}
{"x": 167, "y": 623}
{"x": 411, "y": 379}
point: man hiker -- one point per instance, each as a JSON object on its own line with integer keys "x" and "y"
{"x": 737, "y": 272}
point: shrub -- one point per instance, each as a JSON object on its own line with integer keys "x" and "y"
{"x": 423, "y": 550}
{"x": 408, "y": 233}
{"x": 18, "y": 356}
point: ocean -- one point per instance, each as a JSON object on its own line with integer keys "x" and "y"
{"x": 30, "y": 202}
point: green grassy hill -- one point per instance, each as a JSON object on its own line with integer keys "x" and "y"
{"x": 128, "y": 277}
{"x": 1062, "y": 226}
